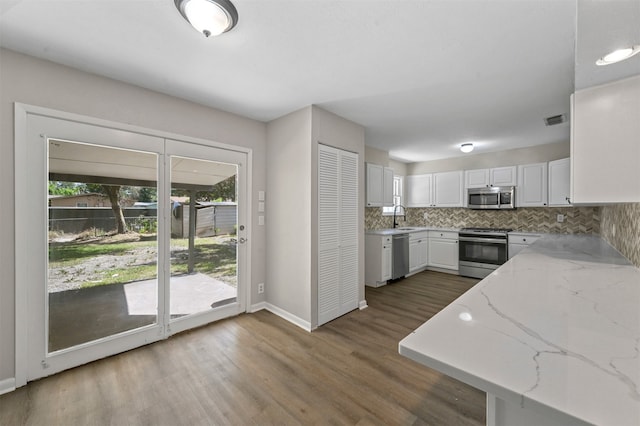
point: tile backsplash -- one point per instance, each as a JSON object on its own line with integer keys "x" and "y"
{"x": 620, "y": 226}
{"x": 578, "y": 220}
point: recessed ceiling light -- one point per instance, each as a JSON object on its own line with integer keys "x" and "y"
{"x": 209, "y": 17}
{"x": 618, "y": 55}
{"x": 466, "y": 147}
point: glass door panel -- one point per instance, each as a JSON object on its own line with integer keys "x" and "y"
{"x": 102, "y": 242}
{"x": 204, "y": 228}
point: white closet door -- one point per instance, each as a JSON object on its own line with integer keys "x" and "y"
{"x": 348, "y": 231}
{"x": 337, "y": 233}
{"x": 328, "y": 236}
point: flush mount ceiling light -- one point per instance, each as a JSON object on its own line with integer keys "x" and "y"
{"x": 466, "y": 147}
{"x": 619, "y": 55}
{"x": 209, "y": 17}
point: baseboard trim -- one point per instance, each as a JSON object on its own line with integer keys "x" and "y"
{"x": 305, "y": 325}
{"x": 257, "y": 307}
{"x": 7, "y": 385}
{"x": 363, "y": 304}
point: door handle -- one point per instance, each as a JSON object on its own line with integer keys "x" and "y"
{"x": 242, "y": 240}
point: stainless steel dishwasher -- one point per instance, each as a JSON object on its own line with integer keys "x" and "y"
{"x": 400, "y": 256}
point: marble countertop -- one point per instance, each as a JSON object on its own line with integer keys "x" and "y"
{"x": 557, "y": 328}
{"x": 408, "y": 230}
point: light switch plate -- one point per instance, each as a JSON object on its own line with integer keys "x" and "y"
{"x": 260, "y": 195}
{"x": 261, "y": 206}
{"x": 260, "y": 220}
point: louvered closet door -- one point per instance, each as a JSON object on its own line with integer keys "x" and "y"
{"x": 337, "y": 233}
{"x": 348, "y": 231}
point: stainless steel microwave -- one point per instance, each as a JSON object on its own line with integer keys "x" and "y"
{"x": 492, "y": 197}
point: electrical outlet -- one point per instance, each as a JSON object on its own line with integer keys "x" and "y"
{"x": 560, "y": 218}
{"x": 260, "y": 288}
{"x": 425, "y": 216}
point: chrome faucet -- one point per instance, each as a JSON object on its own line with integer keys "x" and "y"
{"x": 404, "y": 214}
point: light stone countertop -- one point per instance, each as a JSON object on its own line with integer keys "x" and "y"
{"x": 408, "y": 230}
{"x": 555, "y": 328}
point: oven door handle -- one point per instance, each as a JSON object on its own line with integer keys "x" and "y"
{"x": 483, "y": 240}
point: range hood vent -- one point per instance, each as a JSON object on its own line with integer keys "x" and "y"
{"x": 556, "y": 119}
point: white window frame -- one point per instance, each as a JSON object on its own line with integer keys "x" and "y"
{"x": 398, "y": 186}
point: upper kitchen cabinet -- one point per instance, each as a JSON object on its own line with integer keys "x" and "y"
{"x": 419, "y": 190}
{"x": 503, "y": 176}
{"x": 605, "y": 143}
{"x": 499, "y": 176}
{"x": 379, "y": 186}
{"x": 559, "y": 182}
{"x": 532, "y": 185}
{"x": 435, "y": 190}
{"x": 448, "y": 189}
{"x": 476, "y": 178}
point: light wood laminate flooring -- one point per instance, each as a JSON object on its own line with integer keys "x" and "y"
{"x": 258, "y": 369}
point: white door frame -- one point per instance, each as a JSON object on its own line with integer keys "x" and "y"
{"x": 25, "y": 178}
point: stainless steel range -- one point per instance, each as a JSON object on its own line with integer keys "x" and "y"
{"x": 482, "y": 251}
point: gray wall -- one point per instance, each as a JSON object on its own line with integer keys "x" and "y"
{"x": 292, "y": 205}
{"x": 37, "y": 82}
{"x": 512, "y": 157}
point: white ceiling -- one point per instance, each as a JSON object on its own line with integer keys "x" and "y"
{"x": 421, "y": 76}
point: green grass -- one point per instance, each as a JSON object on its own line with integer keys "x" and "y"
{"x": 68, "y": 254}
{"x": 212, "y": 257}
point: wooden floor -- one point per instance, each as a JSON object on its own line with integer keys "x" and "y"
{"x": 259, "y": 369}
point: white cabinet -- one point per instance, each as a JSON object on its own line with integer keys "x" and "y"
{"x": 379, "y": 186}
{"x": 499, "y": 176}
{"x": 337, "y": 232}
{"x": 378, "y": 259}
{"x": 518, "y": 241}
{"x": 605, "y": 153}
{"x": 532, "y": 185}
{"x": 476, "y": 178}
{"x": 503, "y": 176}
{"x": 418, "y": 249}
{"x": 448, "y": 189}
{"x": 419, "y": 190}
{"x": 435, "y": 190}
{"x": 559, "y": 182}
{"x": 443, "y": 250}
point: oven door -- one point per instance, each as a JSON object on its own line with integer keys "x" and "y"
{"x": 490, "y": 252}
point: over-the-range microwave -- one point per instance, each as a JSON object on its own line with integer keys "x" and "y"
{"x": 492, "y": 197}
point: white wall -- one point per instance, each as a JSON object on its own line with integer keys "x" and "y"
{"x": 288, "y": 214}
{"x": 37, "y": 82}
{"x": 512, "y": 157}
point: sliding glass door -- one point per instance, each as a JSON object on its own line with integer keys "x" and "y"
{"x": 124, "y": 239}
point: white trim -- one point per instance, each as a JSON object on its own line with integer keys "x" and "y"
{"x": 363, "y": 304}
{"x": 85, "y": 119}
{"x": 7, "y": 385}
{"x": 305, "y": 325}
{"x": 257, "y": 307}
{"x": 21, "y": 246}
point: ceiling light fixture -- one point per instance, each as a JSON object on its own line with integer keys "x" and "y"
{"x": 619, "y": 55}
{"x": 466, "y": 147}
{"x": 209, "y": 17}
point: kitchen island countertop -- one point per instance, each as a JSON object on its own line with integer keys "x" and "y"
{"x": 553, "y": 335}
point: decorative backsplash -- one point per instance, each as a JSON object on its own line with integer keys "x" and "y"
{"x": 620, "y": 226}
{"x": 578, "y": 220}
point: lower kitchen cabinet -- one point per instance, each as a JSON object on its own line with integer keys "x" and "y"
{"x": 418, "y": 250}
{"x": 443, "y": 250}
{"x": 378, "y": 260}
{"x": 519, "y": 241}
